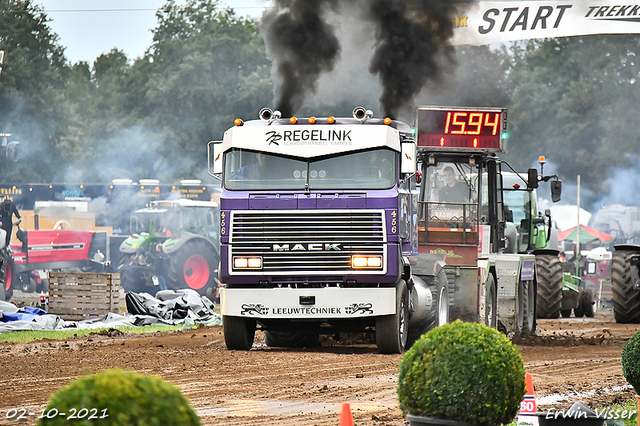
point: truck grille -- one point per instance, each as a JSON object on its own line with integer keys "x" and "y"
{"x": 313, "y": 242}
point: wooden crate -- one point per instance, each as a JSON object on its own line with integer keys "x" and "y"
{"x": 79, "y": 296}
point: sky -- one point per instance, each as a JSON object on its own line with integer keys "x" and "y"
{"x": 89, "y": 28}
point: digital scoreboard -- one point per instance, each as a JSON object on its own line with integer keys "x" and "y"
{"x": 462, "y": 129}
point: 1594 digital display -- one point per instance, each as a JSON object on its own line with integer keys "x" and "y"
{"x": 465, "y": 129}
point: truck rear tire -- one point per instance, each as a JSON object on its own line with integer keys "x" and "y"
{"x": 392, "y": 330}
{"x": 238, "y": 332}
{"x": 193, "y": 266}
{"x": 549, "y": 271}
{"x": 626, "y": 299}
{"x": 440, "y": 294}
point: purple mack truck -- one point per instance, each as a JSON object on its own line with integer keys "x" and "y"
{"x": 319, "y": 227}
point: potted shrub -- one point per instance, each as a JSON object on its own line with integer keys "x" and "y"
{"x": 461, "y": 374}
{"x": 631, "y": 365}
{"x": 119, "y": 398}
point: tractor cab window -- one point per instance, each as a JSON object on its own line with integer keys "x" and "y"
{"x": 516, "y": 202}
{"x": 453, "y": 197}
{"x": 451, "y": 191}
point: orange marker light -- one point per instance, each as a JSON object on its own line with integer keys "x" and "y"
{"x": 293, "y": 120}
{"x": 387, "y": 121}
{"x": 238, "y": 122}
{"x": 312, "y": 120}
{"x": 331, "y": 120}
{"x": 441, "y": 141}
{"x": 541, "y": 159}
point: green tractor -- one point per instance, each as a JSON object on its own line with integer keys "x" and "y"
{"x": 528, "y": 231}
{"x": 184, "y": 234}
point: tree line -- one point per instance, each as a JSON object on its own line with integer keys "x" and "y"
{"x": 570, "y": 99}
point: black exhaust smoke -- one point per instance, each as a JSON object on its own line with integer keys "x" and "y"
{"x": 302, "y": 46}
{"x": 411, "y": 46}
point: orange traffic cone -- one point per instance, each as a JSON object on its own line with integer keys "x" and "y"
{"x": 346, "y": 419}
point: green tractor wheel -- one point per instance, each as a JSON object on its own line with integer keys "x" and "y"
{"x": 626, "y": 299}
{"x": 549, "y": 300}
{"x": 131, "y": 279}
{"x": 193, "y": 266}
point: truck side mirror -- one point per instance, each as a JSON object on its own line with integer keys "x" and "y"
{"x": 532, "y": 181}
{"x": 408, "y": 158}
{"x": 214, "y": 154}
{"x": 556, "y": 190}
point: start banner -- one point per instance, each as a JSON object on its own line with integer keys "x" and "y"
{"x": 502, "y": 21}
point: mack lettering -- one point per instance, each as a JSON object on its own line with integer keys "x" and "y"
{"x": 307, "y": 247}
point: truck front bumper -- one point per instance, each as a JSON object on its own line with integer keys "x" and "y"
{"x": 312, "y": 304}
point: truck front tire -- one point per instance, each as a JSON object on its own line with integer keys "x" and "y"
{"x": 238, "y": 332}
{"x": 392, "y": 330}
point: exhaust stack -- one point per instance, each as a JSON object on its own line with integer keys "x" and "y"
{"x": 361, "y": 114}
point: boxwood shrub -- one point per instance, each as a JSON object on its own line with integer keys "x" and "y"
{"x": 462, "y": 371}
{"x": 631, "y": 361}
{"x": 125, "y": 397}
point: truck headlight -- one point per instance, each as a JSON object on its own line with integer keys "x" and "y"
{"x": 247, "y": 262}
{"x": 366, "y": 261}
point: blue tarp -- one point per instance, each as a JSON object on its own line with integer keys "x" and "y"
{"x": 26, "y": 313}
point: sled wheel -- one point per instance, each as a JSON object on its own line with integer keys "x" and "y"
{"x": 549, "y": 269}
{"x": 391, "y": 330}
{"x": 626, "y": 299}
{"x": 192, "y": 266}
{"x": 566, "y": 313}
{"x": 238, "y": 332}
{"x": 491, "y": 303}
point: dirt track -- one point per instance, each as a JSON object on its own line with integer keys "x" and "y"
{"x": 303, "y": 387}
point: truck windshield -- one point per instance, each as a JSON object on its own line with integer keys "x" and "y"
{"x": 251, "y": 170}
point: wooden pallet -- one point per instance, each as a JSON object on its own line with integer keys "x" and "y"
{"x": 79, "y": 296}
